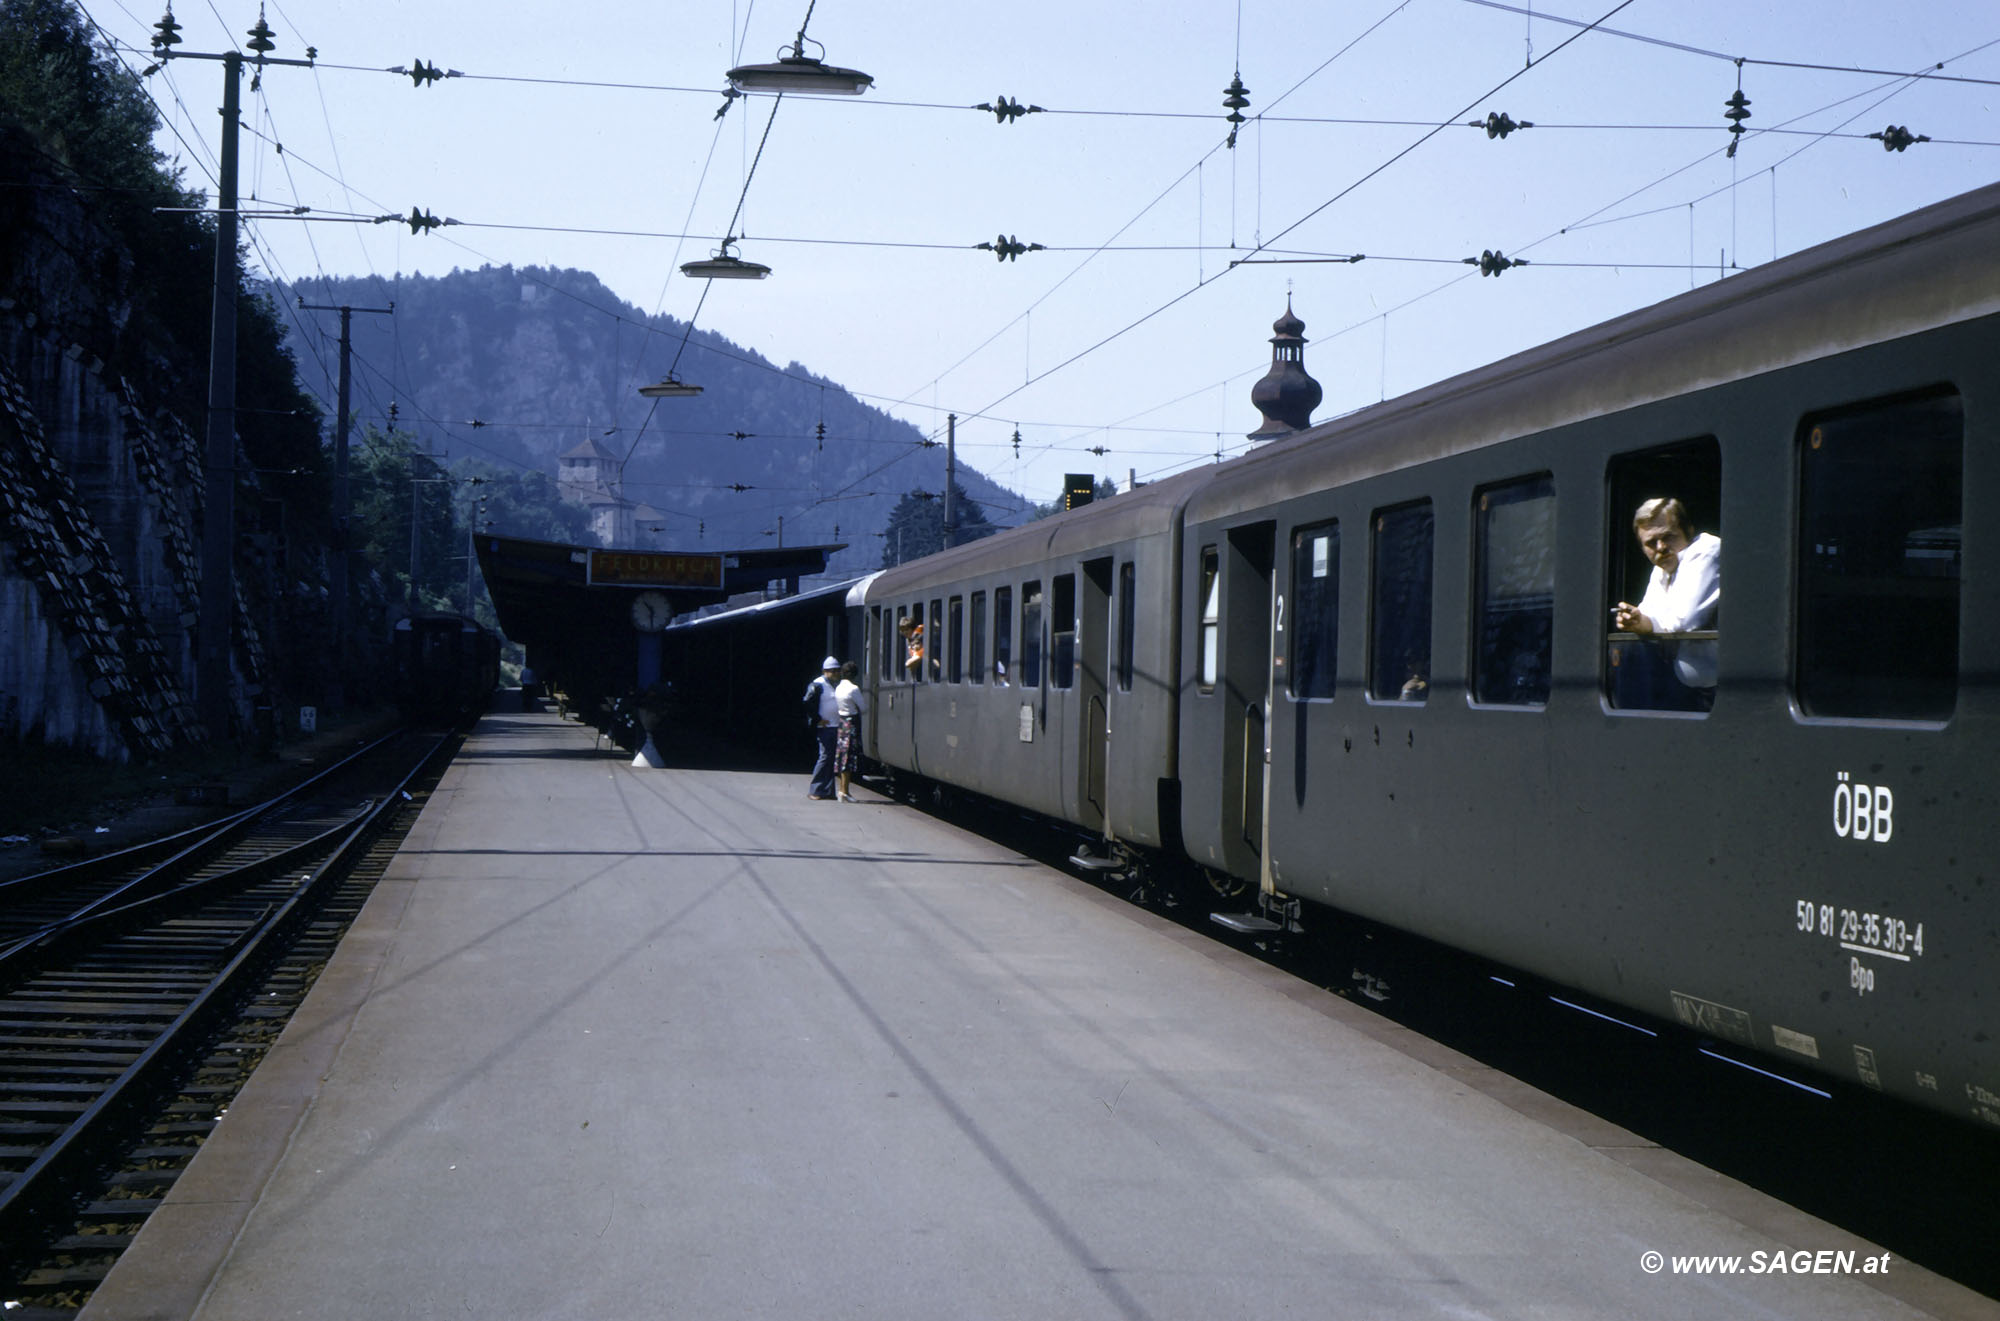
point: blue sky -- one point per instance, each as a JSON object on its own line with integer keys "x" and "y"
{"x": 585, "y": 136}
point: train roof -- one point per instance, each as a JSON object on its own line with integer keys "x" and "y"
{"x": 738, "y": 614}
{"x": 1933, "y": 267}
{"x": 1143, "y": 511}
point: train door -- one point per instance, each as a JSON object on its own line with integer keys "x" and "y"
{"x": 1094, "y": 644}
{"x": 1246, "y": 674}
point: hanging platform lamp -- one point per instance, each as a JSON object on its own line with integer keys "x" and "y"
{"x": 671, "y": 388}
{"x": 725, "y": 266}
{"x": 800, "y": 72}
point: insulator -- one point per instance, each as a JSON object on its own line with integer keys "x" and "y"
{"x": 1490, "y": 262}
{"x": 1236, "y": 97}
{"x": 1017, "y": 442}
{"x": 1499, "y": 125}
{"x": 1006, "y": 110}
{"x": 260, "y": 36}
{"x": 1006, "y": 247}
{"x": 1738, "y": 111}
{"x": 166, "y": 32}
{"x": 1897, "y": 138}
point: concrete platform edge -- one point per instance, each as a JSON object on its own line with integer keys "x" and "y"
{"x": 184, "y": 1245}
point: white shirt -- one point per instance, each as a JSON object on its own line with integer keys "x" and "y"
{"x": 1691, "y": 599}
{"x": 849, "y": 699}
{"x": 1687, "y": 603}
{"x": 829, "y": 708}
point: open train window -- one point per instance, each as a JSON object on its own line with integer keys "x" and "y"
{"x": 1314, "y": 625}
{"x": 1128, "y": 615}
{"x": 1664, "y": 577}
{"x": 955, "y": 655}
{"x": 1003, "y": 633}
{"x": 913, "y": 646}
{"x": 1062, "y": 632}
{"x": 976, "y": 671}
{"x": 1211, "y": 618}
{"x": 1880, "y": 515}
{"x": 1399, "y": 663}
{"x": 1514, "y": 587}
{"x": 1031, "y": 634}
{"x": 934, "y": 642}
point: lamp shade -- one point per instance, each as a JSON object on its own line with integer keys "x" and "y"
{"x": 799, "y": 73}
{"x": 671, "y": 388}
{"x": 725, "y": 267}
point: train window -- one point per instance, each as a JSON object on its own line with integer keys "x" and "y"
{"x": 1879, "y": 560}
{"x": 1062, "y": 629}
{"x": 1128, "y": 614}
{"x": 977, "y": 669}
{"x": 1399, "y": 666}
{"x": 1314, "y": 624}
{"x": 892, "y": 646}
{"x": 1211, "y": 618}
{"x": 934, "y": 641}
{"x": 1665, "y": 585}
{"x": 1031, "y": 634}
{"x": 955, "y": 657}
{"x": 1003, "y": 633}
{"x": 1514, "y": 581}
{"x": 913, "y": 648}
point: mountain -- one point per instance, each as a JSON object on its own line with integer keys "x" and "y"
{"x": 514, "y": 367}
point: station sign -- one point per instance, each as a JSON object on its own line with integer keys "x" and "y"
{"x": 654, "y": 568}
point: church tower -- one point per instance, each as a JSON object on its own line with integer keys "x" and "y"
{"x": 1286, "y": 396}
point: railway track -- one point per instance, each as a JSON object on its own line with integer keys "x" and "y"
{"x": 137, "y": 991}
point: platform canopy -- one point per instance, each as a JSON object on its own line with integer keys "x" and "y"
{"x": 573, "y": 607}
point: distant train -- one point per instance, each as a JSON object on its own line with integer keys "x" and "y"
{"x": 446, "y": 665}
{"x": 1379, "y": 666}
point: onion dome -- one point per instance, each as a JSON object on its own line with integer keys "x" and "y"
{"x": 1286, "y": 396}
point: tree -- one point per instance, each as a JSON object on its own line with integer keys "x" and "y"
{"x": 916, "y": 525}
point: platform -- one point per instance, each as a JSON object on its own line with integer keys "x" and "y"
{"x": 615, "y": 1042}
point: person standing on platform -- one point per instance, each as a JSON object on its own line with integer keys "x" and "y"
{"x": 823, "y": 708}
{"x": 847, "y": 748}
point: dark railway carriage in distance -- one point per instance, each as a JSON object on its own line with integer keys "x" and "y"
{"x": 1374, "y": 666}
{"x": 742, "y": 672}
{"x": 446, "y": 665}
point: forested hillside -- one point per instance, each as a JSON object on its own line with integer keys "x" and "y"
{"x": 514, "y": 367}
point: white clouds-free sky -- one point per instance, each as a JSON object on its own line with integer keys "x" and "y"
{"x": 585, "y": 136}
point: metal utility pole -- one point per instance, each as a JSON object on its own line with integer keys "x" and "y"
{"x": 218, "y": 527}
{"x": 475, "y": 510}
{"x": 343, "y": 421}
{"x": 411, "y": 600}
{"x": 950, "y": 477}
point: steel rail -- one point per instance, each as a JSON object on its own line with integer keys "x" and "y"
{"x": 37, "y": 1197}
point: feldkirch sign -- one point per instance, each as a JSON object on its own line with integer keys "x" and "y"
{"x": 649, "y": 568}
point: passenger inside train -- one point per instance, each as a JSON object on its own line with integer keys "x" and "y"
{"x": 1670, "y": 670}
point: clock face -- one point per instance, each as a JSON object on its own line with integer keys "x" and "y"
{"x": 651, "y": 611}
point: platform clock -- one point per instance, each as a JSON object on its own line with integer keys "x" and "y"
{"x": 651, "y": 611}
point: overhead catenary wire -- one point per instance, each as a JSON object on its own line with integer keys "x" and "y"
{"x": 1267, "y": 249}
